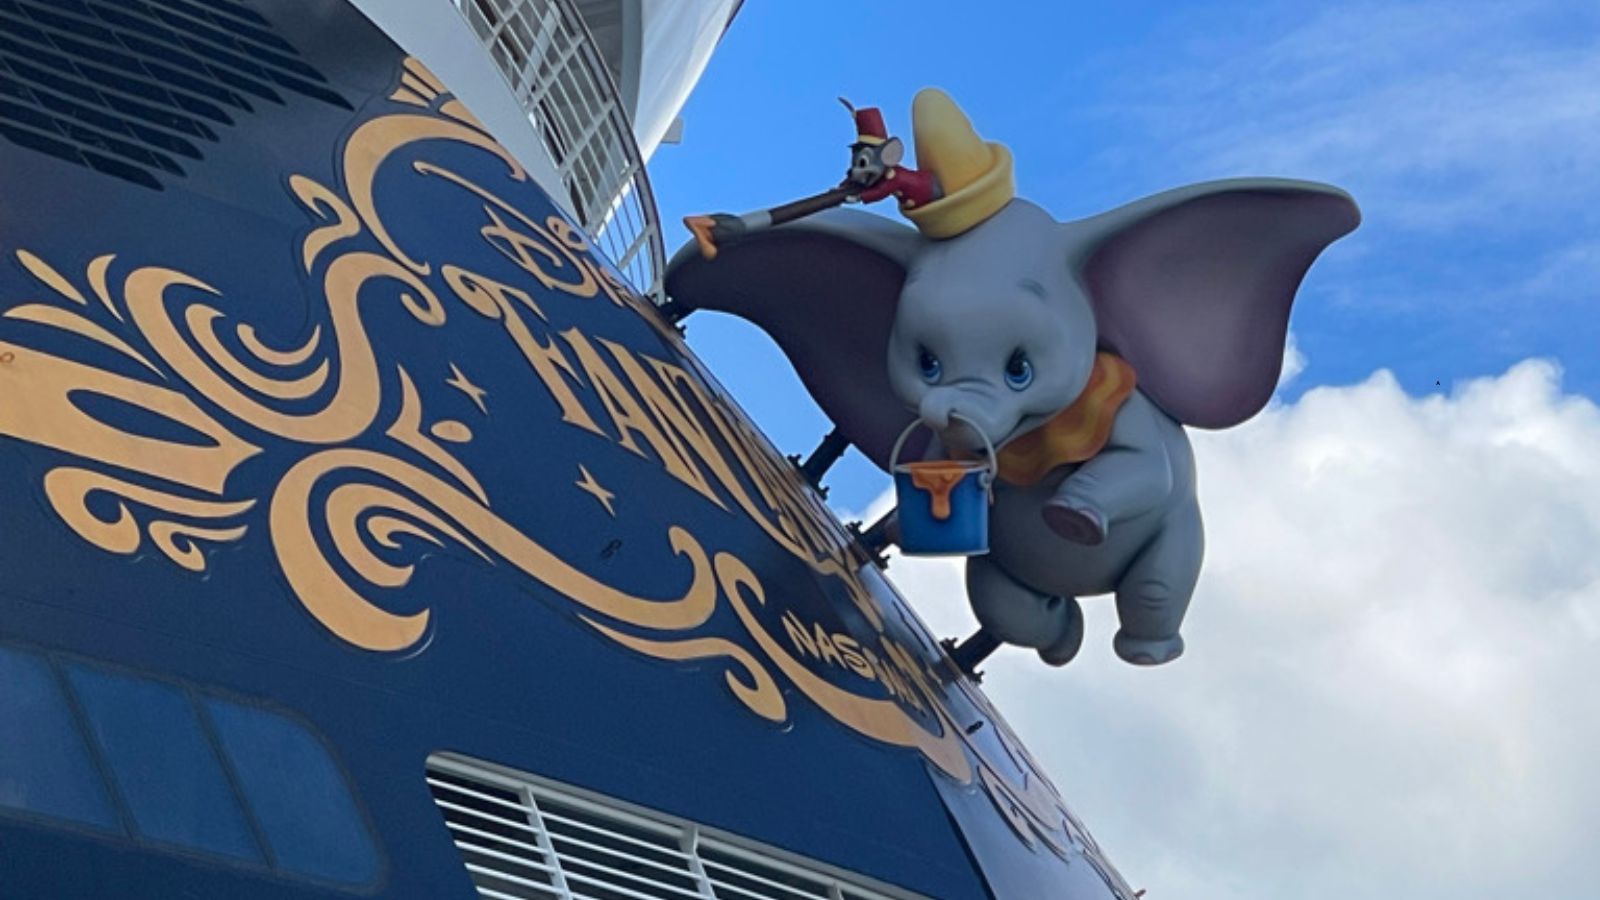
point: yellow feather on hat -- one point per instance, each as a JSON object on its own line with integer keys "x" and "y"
{"x": 974, "y": 174}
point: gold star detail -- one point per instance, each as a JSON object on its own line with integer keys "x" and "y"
{"x": 588, "y": 485}
{"x": 462, "y": 383}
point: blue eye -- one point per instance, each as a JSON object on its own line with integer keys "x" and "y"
{"x": 929, "y": 366}
{"x": 1019, "y": 371}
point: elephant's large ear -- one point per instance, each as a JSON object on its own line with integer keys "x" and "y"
{"x": 825, "y": 289}
{"x": 1193, "y": 286}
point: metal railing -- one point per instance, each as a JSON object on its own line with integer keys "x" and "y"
{"x": 554, "y": 68}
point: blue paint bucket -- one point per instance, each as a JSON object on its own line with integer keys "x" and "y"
{"x": 943, "y": 504}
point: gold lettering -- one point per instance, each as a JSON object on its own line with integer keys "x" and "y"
{"x": 911, "y": 672}
{"x": 377, "y": 139}
{"x": 891, "y": 677}
{"x": 797, "y": 634}
{"x": 672, "y": 377}
{"x": 525, "y": 250}
{"x": 521, "y": 248}
{"x": 614, "y": 289}
{"x": 825, "y": 648}
{"x": 851, "y": 651}
{"x": 878, "y": 719}
{"x": 680, "y": 427}
{"x": 884, "y": 674}
{"x": 628, "y": 416}
{"x": 762, "y": 472}
{"x": 493, "y": 300}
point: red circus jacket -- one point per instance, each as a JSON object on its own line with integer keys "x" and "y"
{"x": 911, "y": 187}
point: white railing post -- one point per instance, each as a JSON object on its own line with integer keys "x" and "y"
{"x": 563, "y": 84}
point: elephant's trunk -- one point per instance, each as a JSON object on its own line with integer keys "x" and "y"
{"x": 936, "y": 409}
{"x": 957, "y": 414}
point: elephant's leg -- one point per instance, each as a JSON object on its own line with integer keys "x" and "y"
{"x": 1133, "y": 474}
{"x": 1118, "y": 483}
{"x": 1018, "y": 614}
{"x": 1154, "y": 593}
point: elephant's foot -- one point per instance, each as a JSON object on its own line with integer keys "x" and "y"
{"x": 1154, "y": 593}
{"x": 1076, "y": 523}
{"x": 1061, "y": 651}
{"x": 1147, "y": 652}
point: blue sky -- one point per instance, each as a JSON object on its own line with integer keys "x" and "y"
{"x": 1465, "y": 130}
{"x": 1389, "y": 684}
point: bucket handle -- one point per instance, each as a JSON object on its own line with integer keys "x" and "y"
{"x": 993, "y": 468}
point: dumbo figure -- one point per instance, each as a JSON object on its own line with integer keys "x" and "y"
{"x": 1078, "y": 349}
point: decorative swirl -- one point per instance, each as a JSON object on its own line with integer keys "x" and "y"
{"x": 449, "y": 512}
{"x": 320, "y": 199}
{"x": 1000, "y": 795}
{"x": 377, "y": 139}
{"x": 98, "y": 267}
{"x": 67, "y": 320}
{"x": 760, "y": 693}
{"x": 46, "y": 273}
{"x": 407, "y": 429}
{"x": 567, "y": 233}
{"x": 357, "y": 394}
{"x": 281, "y": 358}
{"x": 69, "y": 489}
{"x": 177, "y": 541}
{"x": 202, "y": 322}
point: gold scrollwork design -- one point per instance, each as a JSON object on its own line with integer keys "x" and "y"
{"x": 322, "y": 200}
{"x": 758, "y": 691}
{"x": 451, "y": 513}
{"x": 202, "y": 323}
{"x": 378, "y": 139}
{"x": 69, "y": 490}
{"x": 67, "y": 320}
{"x": 356, "y": 397}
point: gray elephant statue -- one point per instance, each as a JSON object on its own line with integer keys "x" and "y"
{"x": 1079, "y": 349}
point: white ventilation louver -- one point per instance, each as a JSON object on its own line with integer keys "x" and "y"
{"x": 525, "y": 840}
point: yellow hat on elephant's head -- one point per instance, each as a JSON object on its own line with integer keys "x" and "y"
{"x": 974, "y": 174}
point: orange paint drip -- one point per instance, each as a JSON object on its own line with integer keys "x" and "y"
{"x": 938, "y": 478}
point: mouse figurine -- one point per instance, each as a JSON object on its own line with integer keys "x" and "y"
{"x": 875, "y": 173}
{"x": 1078, "y": 350}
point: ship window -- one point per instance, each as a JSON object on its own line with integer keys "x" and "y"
{"x": 298, "y": 795}
{"x": 162, "y": 762}
{"x": 177, "y": 767}
{"x": 524, "y": 838}
{"x": 44, "y": 766}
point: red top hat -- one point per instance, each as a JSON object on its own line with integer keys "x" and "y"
{"x": 869, "y": 124}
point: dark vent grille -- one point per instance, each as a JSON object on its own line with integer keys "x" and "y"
{"x": 133, "y": 87}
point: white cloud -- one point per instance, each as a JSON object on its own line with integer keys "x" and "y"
{"x": 1294, "y": 362}
{"x": 1393, "y": 653}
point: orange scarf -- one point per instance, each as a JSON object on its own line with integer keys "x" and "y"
{"x": 1076, "y": 433}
